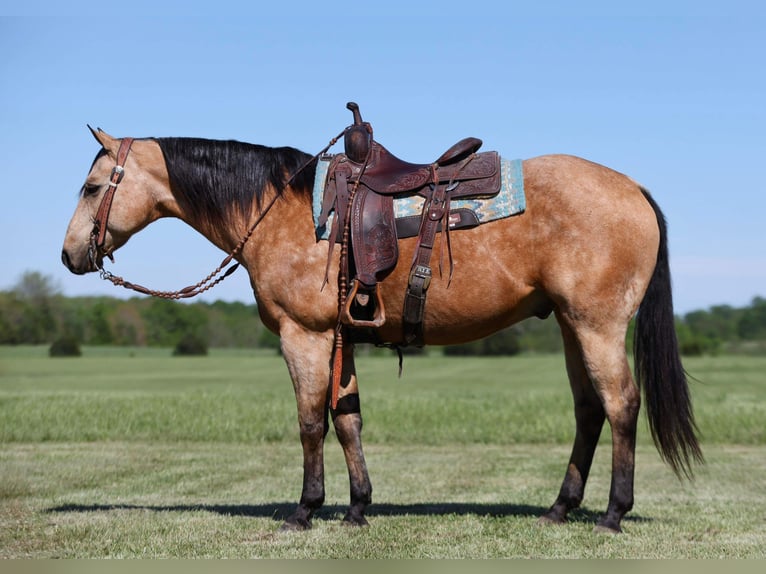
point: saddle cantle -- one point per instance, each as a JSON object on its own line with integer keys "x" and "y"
{"x": 360, "y": 188}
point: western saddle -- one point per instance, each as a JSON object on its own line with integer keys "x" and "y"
{"x": 360, "y": 188}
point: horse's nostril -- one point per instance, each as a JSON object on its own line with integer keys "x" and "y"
{"x": 65, "y": 259}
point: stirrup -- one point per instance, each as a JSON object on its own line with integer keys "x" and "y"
{"x": 379, "y": 316}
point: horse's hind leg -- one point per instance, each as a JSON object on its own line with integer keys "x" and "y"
{"x": 621, "y": 399}
{"x": 589, "y": 417}
{"x": 347, "y": 419}
{"x": 606, "y": 362}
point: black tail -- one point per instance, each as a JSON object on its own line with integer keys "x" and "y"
{"x": 659, "y": 370}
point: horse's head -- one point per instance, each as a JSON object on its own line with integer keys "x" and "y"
{"x": 115, "y": 204}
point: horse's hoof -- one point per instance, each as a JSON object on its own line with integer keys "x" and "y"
{"x": 548, "y": 520}
{"x": 607, "y": 529}
{"x": 355, "y": 520}
{"x": 295, "y": 525}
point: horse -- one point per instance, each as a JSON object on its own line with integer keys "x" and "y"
{"x": 591, "y": 248}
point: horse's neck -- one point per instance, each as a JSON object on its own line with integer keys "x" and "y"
{"x": 287, "y": 226}
{"x": 222, "y": 237}
{"x": 283, "y": 226}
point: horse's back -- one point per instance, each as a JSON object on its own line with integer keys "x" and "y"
{"x": 587, "y": 243}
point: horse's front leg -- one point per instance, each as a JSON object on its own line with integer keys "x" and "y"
{"x": 347, "y": 418}
{"x": 307, "y": 356}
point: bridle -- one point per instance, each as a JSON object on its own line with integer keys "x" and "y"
{"x": 98, "y": 233}
{"x": 96, "y": 252}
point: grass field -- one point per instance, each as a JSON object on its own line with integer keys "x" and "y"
{"x": 134, "y": 453}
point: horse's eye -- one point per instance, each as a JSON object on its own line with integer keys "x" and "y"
{"x": 90, "y": 189}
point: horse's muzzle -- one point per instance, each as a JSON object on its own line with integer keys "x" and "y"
{"x": 69, "y": 264}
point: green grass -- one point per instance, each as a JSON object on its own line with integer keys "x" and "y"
{"x": 134, "y": 453}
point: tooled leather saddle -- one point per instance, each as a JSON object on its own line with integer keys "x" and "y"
{"x": 360, "y": 188}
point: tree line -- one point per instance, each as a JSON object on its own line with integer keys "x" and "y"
{"x": 34, "y": 311}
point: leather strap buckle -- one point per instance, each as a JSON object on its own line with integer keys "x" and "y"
{"x": 118, "y": 172}
{"x": 421, "y": 272}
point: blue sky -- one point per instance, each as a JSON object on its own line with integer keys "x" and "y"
{"x": 671, "y": 93}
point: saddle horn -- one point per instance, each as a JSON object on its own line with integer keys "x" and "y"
{"x": 357, "y": 136}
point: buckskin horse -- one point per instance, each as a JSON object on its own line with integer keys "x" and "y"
{"x": 591, "y": 247}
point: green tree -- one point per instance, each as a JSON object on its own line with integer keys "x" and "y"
{"x": 752, "y": 325}
{"x": 168, "y": 321}
{"x": 694, "y": 343}
{"x": 233, "y": 324}
{"x": 719, "y": 323}
{"x": 540, "y": 336}
{"x": 11, "y": 316}
{"x": 37, "y": 295}
{"x": 128, "y": 324}
{"x": 99, "y": 329}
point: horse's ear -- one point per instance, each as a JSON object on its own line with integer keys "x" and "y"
{"x": 106, "y": 141}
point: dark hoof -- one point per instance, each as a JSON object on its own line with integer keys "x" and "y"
{"x": 551, "y": 519}
{"x": 604, "y": 527}
{"x": 548, "y": 520}
{"x": 295, "y": 525}
{"x": 355, "y": 520}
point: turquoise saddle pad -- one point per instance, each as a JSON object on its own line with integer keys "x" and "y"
{"x": 509, "y": 201}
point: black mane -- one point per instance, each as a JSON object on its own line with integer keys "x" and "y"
{"x": 214, "y": 179}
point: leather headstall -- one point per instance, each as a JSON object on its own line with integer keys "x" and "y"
{"x": 98, "y": 233}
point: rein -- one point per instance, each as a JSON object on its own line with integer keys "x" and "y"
{"x": 98, "y": 233}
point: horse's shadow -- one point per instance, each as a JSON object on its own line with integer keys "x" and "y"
{"x": 279, "y": 511}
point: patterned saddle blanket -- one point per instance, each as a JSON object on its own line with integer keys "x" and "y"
{"x": 464, "y": 213}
